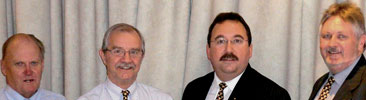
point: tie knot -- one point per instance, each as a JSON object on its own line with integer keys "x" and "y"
{"x": 331, "y": 80}
{"x": 125, "y": 92}
{"x": 222, "y": 85}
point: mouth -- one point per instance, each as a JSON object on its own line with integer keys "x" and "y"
{"x": 126, "y": 66}
{"x": 28, "y": 80}
{"x": 229, "y": 59}
{"x": 333, "y": 53}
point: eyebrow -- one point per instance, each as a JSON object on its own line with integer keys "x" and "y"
{"x": 114, "y": 47}
{"x": 236, "y": 36}
{"x": 239, "y": 36}
{"x": 219, "y": 36}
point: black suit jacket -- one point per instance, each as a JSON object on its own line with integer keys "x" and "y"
{"x": 354, "y": 87}
{"x": 251, "y": 86}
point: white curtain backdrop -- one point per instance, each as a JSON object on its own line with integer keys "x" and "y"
{"x": 285, "y": 40}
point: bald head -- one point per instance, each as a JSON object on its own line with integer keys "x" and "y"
{"x": 21, "y": 37}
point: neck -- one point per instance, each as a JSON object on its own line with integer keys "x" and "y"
{"x": 226, "y": 76}
{"x": 25, "y": 95}
{"x": 124, "y": 84}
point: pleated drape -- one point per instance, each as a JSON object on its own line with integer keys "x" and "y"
{"x": 285, "y": 39}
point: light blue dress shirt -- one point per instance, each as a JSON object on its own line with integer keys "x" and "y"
{"x": 8, "y": 93}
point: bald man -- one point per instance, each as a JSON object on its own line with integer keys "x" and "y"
{"x": 22, "y": 65}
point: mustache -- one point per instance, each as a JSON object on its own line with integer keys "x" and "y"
{"x": 229, "y": 56}
{"x": 332, "y": 50}
{"x": 125, "y": 65}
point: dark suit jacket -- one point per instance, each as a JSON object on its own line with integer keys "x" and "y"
{"x": 354, "y": 87}
{"x": 251, "y": 86}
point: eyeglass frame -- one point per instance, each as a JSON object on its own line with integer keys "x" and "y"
{"x": 225, "y": 41}
{"x": 123, "y": 52}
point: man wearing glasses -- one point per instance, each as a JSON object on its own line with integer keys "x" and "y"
{"x": 229, "y": 49}
{"x": 122, "y": 52}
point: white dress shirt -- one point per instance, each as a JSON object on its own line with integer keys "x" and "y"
{"x": 339, "y": 79}
{"x": 214, "y": 89}
{"x": 8, "y": 93}
{"x": 138, "y": 91}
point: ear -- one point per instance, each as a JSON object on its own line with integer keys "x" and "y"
{"x": 102, "y": 56}
{"x": 250, "y": 50}
{"x": 361, "y": 43}
{"x": 208, "y": 52}
{"x": 42, "y": 66}
{"x": 3, "y": 69}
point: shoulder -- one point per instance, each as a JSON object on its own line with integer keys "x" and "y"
{"x": 146, "y": 90}
{"x": 260, "y": 79}
{"x": 49, "y": 95}
{"x": 199, "y": 81}
{"x": 322, "y": 79}
{"x": 95, "y": 93}
{"x": 263, "y": 83}
{"x": 2, "y": 94}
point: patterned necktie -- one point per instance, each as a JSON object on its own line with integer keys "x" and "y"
{"x": 220, "y": 95}
{"x": 125, "y": 94}
{"x": 325, "y": 91}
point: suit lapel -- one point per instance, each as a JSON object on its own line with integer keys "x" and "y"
{"x": 205, "y": 87}
{"x": 352, "y": 81}
{"x": 318, "y": 85}
{"x": 241, "y": 85}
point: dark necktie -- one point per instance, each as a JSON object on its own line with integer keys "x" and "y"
{"x": 125, "y": 94}
{"x": 325, "y": 91}
{"x": 220, "y": 95}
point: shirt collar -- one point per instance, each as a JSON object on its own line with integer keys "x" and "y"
{"x": 341, "y": 76}
{"x": 116, "y": 90}
{"x": 14, "y": 95}
{"x": 230, "y": 84}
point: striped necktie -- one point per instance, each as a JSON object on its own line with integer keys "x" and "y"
{"x": 325, "y": 91}
{"x": 220, "y": 95}
{"x": 125, "y": 94}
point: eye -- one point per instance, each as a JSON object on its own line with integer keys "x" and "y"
{"x": 117, "y": 51}
{"x": 342, "y": 37}
{"x": 237, "y": 41}
{"x": 220, "y": 41}
{"x": 34, "y": 63}
{"x": 326, "y": 36}
{"x": 134, "y": 52}
{"x": 19, "y": 64}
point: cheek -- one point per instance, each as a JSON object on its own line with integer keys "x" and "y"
{"x": 216, "y": 53}
{"x": 111, "y": 61}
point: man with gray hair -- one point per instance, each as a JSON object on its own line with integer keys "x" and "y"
{"x": 342, "y": 42}
{"x": 122, "y": 52}
{"x": 22, "y": 65}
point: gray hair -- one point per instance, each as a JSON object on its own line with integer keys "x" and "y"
{"x": 121, "y": 27}
{"x": 349, "y": 12}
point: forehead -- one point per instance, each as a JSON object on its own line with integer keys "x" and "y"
{"x": 22, "y": 49}
{"x": 229, "y": 29}
{"x": 124, "y": 39}
{"x": 336, "y": 24}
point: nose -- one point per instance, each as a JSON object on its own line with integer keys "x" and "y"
{"x": 229, "y": 46}
{"x": 28, "y": 71}
{"x": 333, "y": 42}
{"x": 126, "y": 57}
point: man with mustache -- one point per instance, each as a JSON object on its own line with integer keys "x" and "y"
{"x": 229, "y": 49}
{"x": 22, "y": 65}
{"x": 122, "y": 52}
{"x": 342, "y": 42}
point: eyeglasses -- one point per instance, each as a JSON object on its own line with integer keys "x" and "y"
{"x": 134, "y": 53}
{"x": 222, "y": 41}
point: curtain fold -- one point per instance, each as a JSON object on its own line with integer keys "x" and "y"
{"x": 285, "y": 39}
